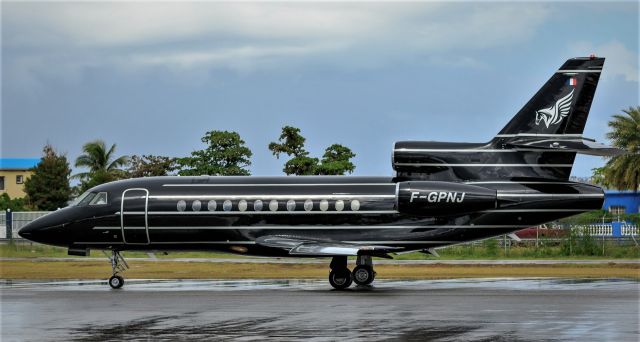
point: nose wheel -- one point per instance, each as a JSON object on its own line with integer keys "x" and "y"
{"x": 116, "y": 281}
{"x": 118, "y": 265}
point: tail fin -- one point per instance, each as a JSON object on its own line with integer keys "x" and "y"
{"x": 562, "y": 105}
{"x": 540, "y": 142}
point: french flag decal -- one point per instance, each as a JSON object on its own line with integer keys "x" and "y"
{"x": 573, "y": 81}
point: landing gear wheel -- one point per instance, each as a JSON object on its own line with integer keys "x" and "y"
{"x": 340, "y": 279}
{"x": 363, "y": 275}
{"x": 116, "y": 282}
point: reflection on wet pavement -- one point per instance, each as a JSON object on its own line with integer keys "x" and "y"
{"x": 281, "y": 310}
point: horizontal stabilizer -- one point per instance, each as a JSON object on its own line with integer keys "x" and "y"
{"x": 309, "y": 247}
{"x": 578, "y": 145}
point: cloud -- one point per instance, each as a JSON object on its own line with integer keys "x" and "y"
{"x": 620, "y": 60}
{"x": 247, "y": 36}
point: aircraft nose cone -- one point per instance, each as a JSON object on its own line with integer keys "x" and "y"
{"x": 26, "y": 231}
{"x": 30, "y": 231}
{"x": 42, "y": 229}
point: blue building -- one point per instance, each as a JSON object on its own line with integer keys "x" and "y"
{"x": 622, "y": 201}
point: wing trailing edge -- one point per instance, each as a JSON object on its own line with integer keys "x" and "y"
{"x": 298, "y": 246}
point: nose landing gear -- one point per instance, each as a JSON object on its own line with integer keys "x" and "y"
{"x": 118, "y": 265}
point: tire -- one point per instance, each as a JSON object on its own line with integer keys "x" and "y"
{"x": 116, "y": 282}
{"x": 340, "y": 279}
{"x": 363, "y": 275}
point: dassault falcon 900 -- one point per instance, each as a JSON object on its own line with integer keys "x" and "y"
{"x": 442, "y": 194}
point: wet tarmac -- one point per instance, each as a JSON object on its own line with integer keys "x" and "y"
{"x": 250, "y": 310}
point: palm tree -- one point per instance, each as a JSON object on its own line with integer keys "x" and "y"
{"x": 623, "y": 172}
{"x": 102, "y": 165}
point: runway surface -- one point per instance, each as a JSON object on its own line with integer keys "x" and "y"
{"x": 443, "y": 310}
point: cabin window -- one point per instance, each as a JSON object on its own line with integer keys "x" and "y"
{"x": 212, "y": 205}
{"x": 196, "y": 205}
{"x": 324, "y": 205}
{"x": 291, "y": 205}
{"x": 182, "y": 205}
{"x": 257, "y": 205}
{"x": 19, "y": 179}
{"x": 1, "y": 182}
{"x": 227, "y": 205}
{"x": 99, "y": 199}
{"x": 355, "y": 205}
{"x": 273, "y": 205}
{"x": 339, "y": 205}
{"x": 242, "y": 205}
{"x": 308, "y": 205}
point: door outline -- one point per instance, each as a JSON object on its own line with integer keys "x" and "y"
{"x": 146, "y": 216}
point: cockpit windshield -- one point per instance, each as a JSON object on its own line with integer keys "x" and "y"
{"x": 90, "y": 198}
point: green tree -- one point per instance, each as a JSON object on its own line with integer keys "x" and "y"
{"x": 48, "y": 188}
{"x": 225, "y": 155}
{"x": 291, "y": 143}
{"x": 335, "y": 161}
{"x": 102, "y": 164}
{"x": 623, "y": 171}
{"x": 15, "y": 204}
{"x": 150, "y": 166}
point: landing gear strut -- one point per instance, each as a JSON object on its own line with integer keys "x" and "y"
{"x": 118, "y": 265}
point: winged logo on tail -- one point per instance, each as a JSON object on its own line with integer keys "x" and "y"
{"x": 554, "y": 114}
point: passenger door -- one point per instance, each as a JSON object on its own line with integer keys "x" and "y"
{"x": 134, "y": 219}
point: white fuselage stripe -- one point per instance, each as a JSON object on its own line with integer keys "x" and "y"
{"x": 269, "y": 197}
{"x": 265, "y": 212}
{"x": 536, "y": 135}
{"x": 523, "y": 182}
{"x": 581, "y": 71}
{"x": 553, "y": 195}
{"x": 483, "y": 165}
{"x": 532, "y": 210}
{"x": 254, "y": 243}
{"x": 318, "y": 227}
{"x": 515, "y": 150}
{"x": 278, "y": 184}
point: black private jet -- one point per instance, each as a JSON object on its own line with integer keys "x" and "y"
{"x": 442, "y": 194}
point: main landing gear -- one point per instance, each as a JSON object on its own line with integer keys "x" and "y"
{"x": 118, "y": 265}
{"x": 341, "y": 277}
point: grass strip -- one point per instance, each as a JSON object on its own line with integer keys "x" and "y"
{"x": 198, "y": 270}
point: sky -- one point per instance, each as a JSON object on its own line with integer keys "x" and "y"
{"x": 154, "y": 77}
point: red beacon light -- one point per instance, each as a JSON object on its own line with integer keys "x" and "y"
{"x": 592, "y": 56}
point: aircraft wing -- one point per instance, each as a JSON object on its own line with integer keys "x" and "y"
{"x": 310, "y": 247}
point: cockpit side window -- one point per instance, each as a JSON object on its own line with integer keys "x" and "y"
{"x": 99, "y": 198}
{"x": 91, "y": 198}
{"x": 86, "y": 199}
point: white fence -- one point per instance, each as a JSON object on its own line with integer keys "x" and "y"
{"x": 629, "y": 230}
{"x": 615, "y": 229}
{"x": 19, "y": 219}
{"x": 594, "y": 229}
